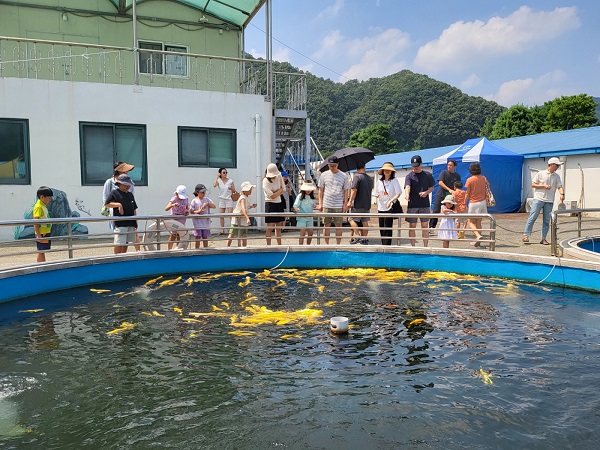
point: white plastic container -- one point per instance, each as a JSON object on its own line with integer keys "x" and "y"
{"x": 338, "y": 325}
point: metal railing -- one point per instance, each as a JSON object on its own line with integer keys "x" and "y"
{"x": 73, "y": 61}
{"x": 573, "y": 223}
{"x": 154, "y": 230}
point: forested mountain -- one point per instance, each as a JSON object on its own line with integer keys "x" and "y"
{"x": 597, "y": 100}
{"x": 421, "y": 111}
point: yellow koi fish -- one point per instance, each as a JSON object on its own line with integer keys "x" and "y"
{"x": 170, "y": 282}
{"x": 31, "y": 311}
{"x": 415, "y": 322}
{"x": 242, "y": 333}
{"x": 187, "y": 319}
{"x": 124, "y": 327}
{"x": 152, "y": 281}
{"x": 157, "y": 314}
{"x": 486, "y": 375}
{"x": 291, "y": 336}
{"x": 99, "y": 291}
{"x": 178, "y": 310}
{"x": 225, "y": 304}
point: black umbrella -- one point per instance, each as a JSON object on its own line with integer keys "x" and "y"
{"x": 348, "y": 157}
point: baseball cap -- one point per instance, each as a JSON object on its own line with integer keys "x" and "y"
{"x": 416, "y": 161}
{"x": 333, "y": 160}
{"x": 200, "y": 188}
{"x": 124, "y": 179}
{"x": 181, "y": 191}
{"x": 284, "y": 173}
{"x": 556, "y": 161}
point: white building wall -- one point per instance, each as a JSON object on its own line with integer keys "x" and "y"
{"x": 55, "y": 108}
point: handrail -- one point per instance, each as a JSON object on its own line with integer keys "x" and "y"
{"x": 555, "y": 248}
{"x": 101, "y": 244}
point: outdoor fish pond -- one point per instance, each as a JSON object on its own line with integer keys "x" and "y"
{"x": 247, "y": 360}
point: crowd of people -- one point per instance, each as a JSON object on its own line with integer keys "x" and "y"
{"x": 336, "y": 196}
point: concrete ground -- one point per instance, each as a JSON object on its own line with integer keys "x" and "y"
{"x": 509, "y": 232}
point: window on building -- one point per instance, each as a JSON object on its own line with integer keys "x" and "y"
{"x": 104, "y": 144}
{"x": 207, "y": 147}
{"x": 14, "y": 151}
{"x": 159, "y": 64}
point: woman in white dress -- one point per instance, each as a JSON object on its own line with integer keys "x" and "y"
{"x": 226, "y": 188}
{"x": 447, "y": 228}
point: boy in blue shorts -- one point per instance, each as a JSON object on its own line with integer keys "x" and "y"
{"x": 40, "y": 211}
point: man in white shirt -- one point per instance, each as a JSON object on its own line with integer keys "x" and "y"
{"x": 333, "y": 197}
{"x": 545, "y": 183}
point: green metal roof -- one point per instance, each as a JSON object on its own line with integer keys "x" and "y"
{"x": 236, "y": 12}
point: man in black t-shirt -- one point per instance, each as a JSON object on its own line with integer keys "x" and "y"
{"x": 418, "y": 184}
{"x": 446, "y": 181}
{"x": 123, "y": 204}
{"x": 360, "y": 202}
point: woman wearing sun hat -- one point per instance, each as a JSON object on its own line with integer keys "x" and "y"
{"x": 273, "y": 187}
{"x": 387, "y": 192}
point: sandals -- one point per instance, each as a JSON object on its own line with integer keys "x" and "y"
{"x": 544, "y": 241}
{"x": 526, "y": 239}
{"x": 477, "y": 243}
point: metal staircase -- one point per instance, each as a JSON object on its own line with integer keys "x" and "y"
{"x": 291, "y": 129}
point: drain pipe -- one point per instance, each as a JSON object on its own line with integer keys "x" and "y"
{"x": 258, "y": 171}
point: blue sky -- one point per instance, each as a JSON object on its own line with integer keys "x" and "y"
{"x": 512, "y": 52}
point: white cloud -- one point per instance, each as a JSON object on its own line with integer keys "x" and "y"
{"x": 373, "y": 56}
{"x": 467, "y": 44}
{"x": 532, "y": 91}
{"x": 471, "y": 81}
{"x": 281, "y": 54}
{"x": 331, "y": 11}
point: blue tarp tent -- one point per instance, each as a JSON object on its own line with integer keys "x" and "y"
{"x": 502, "y": 168}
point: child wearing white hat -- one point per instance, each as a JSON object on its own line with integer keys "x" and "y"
{"x": 447, "y": 229}
{"x": 179, "y": 206}
{"x": 305, "y": 203}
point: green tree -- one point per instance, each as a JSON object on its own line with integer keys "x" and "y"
{"x": 568, "y": 113}
{"x": 517, "y": 120}
{"x": 377, "y": 138}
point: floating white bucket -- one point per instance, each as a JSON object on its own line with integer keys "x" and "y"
{"x": 338, "y": 324}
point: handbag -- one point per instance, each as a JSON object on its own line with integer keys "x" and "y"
{"x": 105, "y": 211}
{"x": 396, "y": 207}
{"x": 489, "y": 196}
{"x": 235, "y": 196}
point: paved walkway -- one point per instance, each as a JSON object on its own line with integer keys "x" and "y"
{"x": 509, "y": 228}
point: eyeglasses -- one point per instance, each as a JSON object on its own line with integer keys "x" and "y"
{"x": 224, "y": 171}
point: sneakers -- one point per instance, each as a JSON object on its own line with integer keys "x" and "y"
{"x": 354, "y": 241}
{"x": 364, "y": 242}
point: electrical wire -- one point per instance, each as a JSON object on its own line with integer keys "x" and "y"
{"x": 303, "y": 55}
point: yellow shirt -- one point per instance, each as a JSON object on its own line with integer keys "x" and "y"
{"x": 41, "y": 212}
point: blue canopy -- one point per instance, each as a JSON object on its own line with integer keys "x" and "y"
{"x": 502, "y": 168}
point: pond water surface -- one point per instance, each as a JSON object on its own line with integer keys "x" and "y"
{"x": 246, "y": 360}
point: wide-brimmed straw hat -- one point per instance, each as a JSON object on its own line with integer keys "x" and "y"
{"x": 386, "y": 166}
{"x": 272, "y": 171}
{"x": 449, "y": 199}
{"x": 124, "y": 167}
{"x": 308, "y": 186}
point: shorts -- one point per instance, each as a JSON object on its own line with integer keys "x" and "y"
{"x": 201, "y": 233}
{"x": 360, "y": 211}
{"x": 327, "y": 220}
{"x": 271, "y": 207}
{"x": 226, "y": 203}
{"x": 304, "y": 222}
{"x": 478, "y": 207}
{"x": 124, "y": 235}
{"x": 426, "y": 210}
{"x": 238, "y": 231}
{"x": 44, "y": 246}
